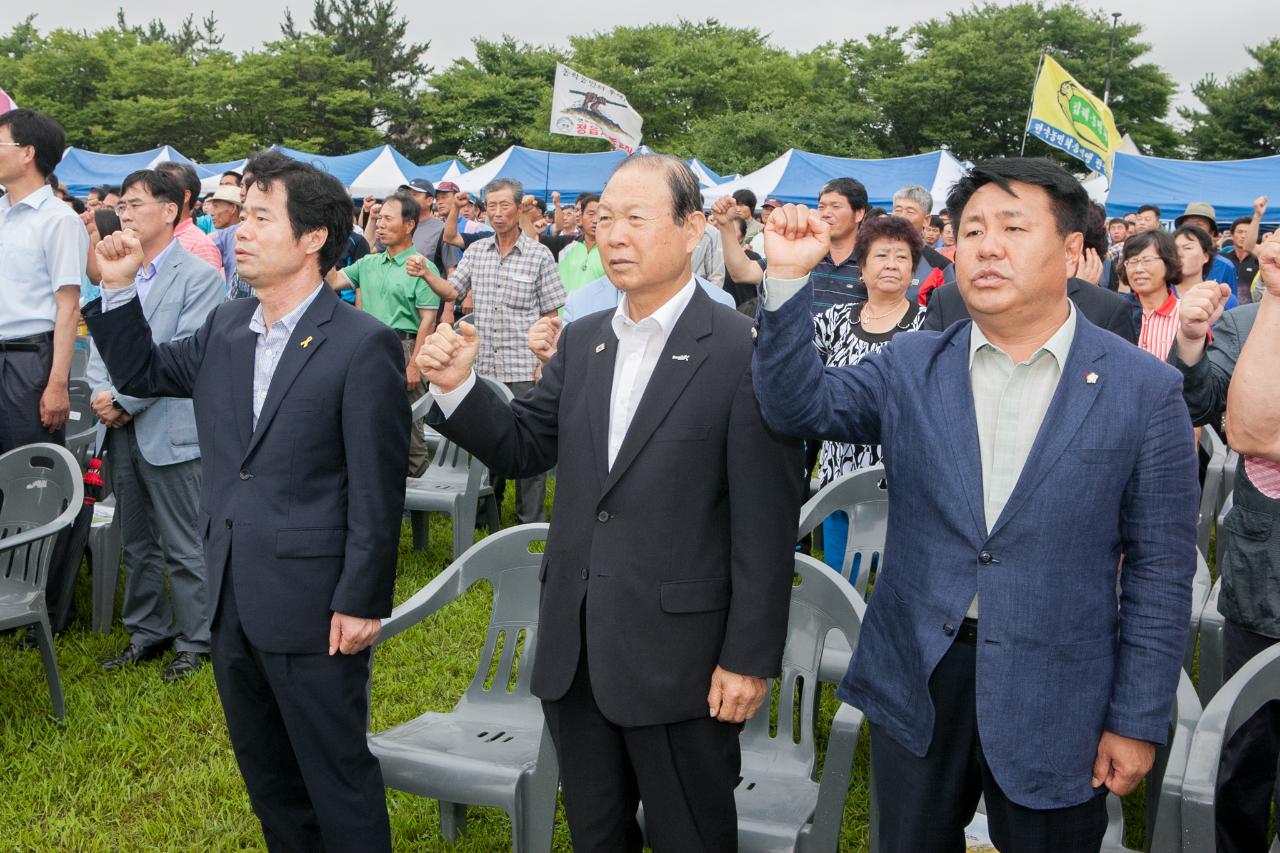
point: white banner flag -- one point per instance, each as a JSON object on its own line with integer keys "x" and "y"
{"x": 582, "y": 107}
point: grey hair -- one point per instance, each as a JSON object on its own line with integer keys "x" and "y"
{"x": 517, "y": 188}
{"x": 918, "y": 194}
{"x": 686, "y": 192}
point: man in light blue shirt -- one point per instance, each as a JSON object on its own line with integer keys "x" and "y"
{"x": 43, "y": 249}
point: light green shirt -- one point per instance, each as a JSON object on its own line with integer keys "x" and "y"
{"x": 1009, "y": 403}
{"x": 389, "y": 293}
{"x": 579, "y": 266}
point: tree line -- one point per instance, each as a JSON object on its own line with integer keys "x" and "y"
{"x": 351, "y": 79}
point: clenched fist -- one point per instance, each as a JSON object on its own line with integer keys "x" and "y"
{"x": 544, "y": 337}
{"x": 795, "y": 241}
{"x": 1269, "y": 266}
{"x": 446, "y": 356}
{"x": 1200, "y": 308}
{"x": 119, "y": 258}
{"x": 416, "y": 265}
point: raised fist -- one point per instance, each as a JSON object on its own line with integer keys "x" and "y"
{"x": 446, "y": 356}
{"x": 119, "y": 258}
{"x": 795, "y": 241}
{"x": 544, "y": 337}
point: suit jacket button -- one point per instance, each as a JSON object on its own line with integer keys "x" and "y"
{"x": 244, "y": 475}
{"x": 948, "y": 629}
{"x": 985, "y": 558}
{"x": 602, "y": 517}
{"x": 585, "y": 574}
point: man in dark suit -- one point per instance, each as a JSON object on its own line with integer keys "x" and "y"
{"x": 1104, "y": 308}
{"x": 665, "y": 586}
{"x": 304, "y": 431}
{"x": 1027, "y": 453}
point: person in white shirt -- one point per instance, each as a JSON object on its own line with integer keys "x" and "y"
{"x": 43, "y": 249}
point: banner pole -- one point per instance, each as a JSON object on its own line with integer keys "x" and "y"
{"x": 546, "y": 189}
{"x": 1032, "y": 107}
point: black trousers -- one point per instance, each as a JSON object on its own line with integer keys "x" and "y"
{"x": 24, "y": 374}
{"x": 684, "y": 773}
{"x": 924, "y": 804}
{"x": 1247, "y": 772}
{"x": 297, "y": 723}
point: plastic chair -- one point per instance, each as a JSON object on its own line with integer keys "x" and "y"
{"x": 1213, "y": 653}
{"x": 1211, "y": 492}
{"x": 104, "y": 554}
{"x": 455, "y": 483}
{"x": 782, "y": 804}
{"x": 1201, "y": 586}
{"x": 1256, "y": 684}
{"x": 81, "y": 429}
{"x": 41, "y": 492}
{"x": 494, "y": 748}
{"x": 864, "y": 497}
{"x": 1227, "y": 503}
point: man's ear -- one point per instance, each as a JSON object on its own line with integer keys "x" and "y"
{"x": 695, "y": 225}
{"x": 1074, "y": 247}
{"x": 314, "y": 239}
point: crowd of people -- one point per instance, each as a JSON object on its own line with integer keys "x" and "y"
{"x": 1027, "y": 372}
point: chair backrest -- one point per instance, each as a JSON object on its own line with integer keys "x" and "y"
{"x": 1211, "y": 492}
{"x": 1254, "y": 685}
{"x": 1229, "y": 468}
{"x": 80, "y": 358}
{"x": 864, "y": 497}
{"x": 782, "y": 739}
{"x": 81, "y": 423}
{"x": 452, "y": 457}
{"x": 41, "y": 492}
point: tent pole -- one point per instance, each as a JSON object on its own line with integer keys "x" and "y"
{"x": 1031, "y": 108}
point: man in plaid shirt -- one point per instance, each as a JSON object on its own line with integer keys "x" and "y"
{"x": 508, "y": 281}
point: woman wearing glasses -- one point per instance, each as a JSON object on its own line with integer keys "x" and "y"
{"x": 1150, "y": 266}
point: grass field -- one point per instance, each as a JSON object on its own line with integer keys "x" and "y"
{"x": 139, "y": 765}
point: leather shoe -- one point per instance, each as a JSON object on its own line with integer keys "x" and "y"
{"x": 132, "y": 654}
{"x": 182, "y": 665}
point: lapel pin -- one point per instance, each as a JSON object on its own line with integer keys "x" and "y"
{"x": 679, "y": 358}
{"x": 1091, "y": 378}
{"x": 599, "y": 347}
{"x": 305, "y": 341}
{"x": 754, "y": 333}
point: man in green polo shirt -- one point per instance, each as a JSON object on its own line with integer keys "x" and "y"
{"x": 386, "y": 289}
{"x": 580, "y": 262}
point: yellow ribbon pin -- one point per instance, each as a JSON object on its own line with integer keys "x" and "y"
{"x": 305, "y": 341}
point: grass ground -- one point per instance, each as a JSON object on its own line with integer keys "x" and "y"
{"x": 139, "y": 765}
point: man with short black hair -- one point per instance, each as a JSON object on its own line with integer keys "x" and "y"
{"x": 914, "y": 203}
{"x": 304, "y": 430}
{"x": 426, "y": 237}
{"x": 155, "y": 454}
{"x": 746, "y": 201}
{"x": 188, "y": 235}
{"x": 1244, "y": 239}
{"x": 43, "y": 250}
{"x": 1147, "y": 218}
{"x": 230, "y": 178}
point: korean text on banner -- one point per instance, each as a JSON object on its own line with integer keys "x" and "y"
{"x": 581, "y": 106}
{"x": 1068, "y": 116}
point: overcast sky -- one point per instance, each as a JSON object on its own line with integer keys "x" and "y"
{"x": 1187, "y": 42}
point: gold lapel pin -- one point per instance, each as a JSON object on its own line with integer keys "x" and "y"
{"x": 305, "y": 341}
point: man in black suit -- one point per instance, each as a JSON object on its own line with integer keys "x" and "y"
{"x": 304, "y": 432}
{"x": 1104, "y": 308}
{"x": 665, "y": 586}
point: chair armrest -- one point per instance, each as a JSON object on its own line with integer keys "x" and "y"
{"x": 35, "y": 534}
{"x": 442, "y": 589}
{"x": 833, "y": 788}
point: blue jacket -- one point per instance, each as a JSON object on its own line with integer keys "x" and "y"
{"x": 1112, "y": 472}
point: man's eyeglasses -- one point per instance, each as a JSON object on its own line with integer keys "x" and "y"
{"x": 134, "y": 204}
{"x": 15, "y": 144}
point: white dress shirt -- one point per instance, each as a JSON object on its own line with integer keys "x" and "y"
{"x": 639, "y": 346}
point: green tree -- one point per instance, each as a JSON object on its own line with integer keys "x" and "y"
{"x": 1241, "y": 117}
{"x": 965, "y": 80}
{"x": 374, "y": 34}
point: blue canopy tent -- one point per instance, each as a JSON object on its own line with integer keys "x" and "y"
{"x": 81, "y": 171}
{"x": 1229, "y": 185}
{"x": 797, "y": 176}
{"x": 541, "y": 172}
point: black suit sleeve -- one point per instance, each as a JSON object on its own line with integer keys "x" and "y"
{"x": 141, "y": 367}
{"x": 767, "y": 484}
{"x": 375, "y": 437}
{"x": 1126, "y": 321}
{"x": 1205, "y": 384}
{"x": 515, "y": 441}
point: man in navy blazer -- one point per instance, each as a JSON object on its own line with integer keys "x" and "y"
{"x": 304, "y": 432}
{"x": 1030, "y": 457}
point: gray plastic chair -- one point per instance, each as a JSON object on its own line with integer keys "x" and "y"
{"x": 455, "y": 483}
{"x": 1257, "y": 683}
{"x": 494, "y": 748}
{"x": 863, "y": 497}
{"x": 104, "y": 554}
{"x": 1213, "y": 653}
{"x": 1227, "y": 503}
{"x": 1229, "y": 469}
{"x": 782, "y": 803}
{"x": 81, "y": 429}
{"x": 1201, "y": 586}
{"x": 41, "y": 492}
{"x": 1211, "y": 492}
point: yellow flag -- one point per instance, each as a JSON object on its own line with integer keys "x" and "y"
{"x": 1066, "y": 115}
